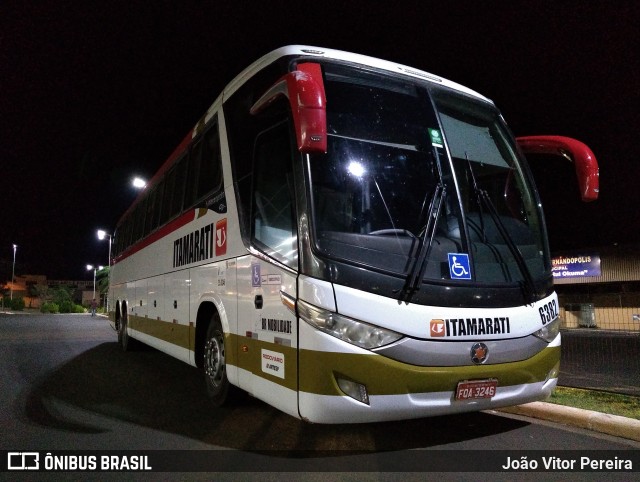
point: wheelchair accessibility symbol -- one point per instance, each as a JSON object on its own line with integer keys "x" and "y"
{"x": 459, "y": 266}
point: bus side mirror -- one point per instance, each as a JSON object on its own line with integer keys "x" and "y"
{"x": 584, "y": 160}
{"x": 305, "y": 90}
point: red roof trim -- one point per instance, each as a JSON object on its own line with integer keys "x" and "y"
{"x": 177, "y": 152}
{"x": 165, "y": 230}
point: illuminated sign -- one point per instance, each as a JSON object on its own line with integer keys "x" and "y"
{"x": 576, "y": 266}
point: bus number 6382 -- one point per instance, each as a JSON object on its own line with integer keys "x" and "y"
{"x": 548, "y": 312}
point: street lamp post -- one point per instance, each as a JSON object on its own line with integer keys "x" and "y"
{"x": 94, "y": 268}
{"x": 101, "y": 235}
{"x": 13, "y": 270}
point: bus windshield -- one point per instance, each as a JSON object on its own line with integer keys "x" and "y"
{"x": 415, "y": 174}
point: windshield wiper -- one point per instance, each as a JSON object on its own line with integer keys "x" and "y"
{"x": 414, "y": 278}
{"x": 484, "y": 198}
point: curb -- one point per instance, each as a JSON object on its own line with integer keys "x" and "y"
{"x": 615, "y": 425}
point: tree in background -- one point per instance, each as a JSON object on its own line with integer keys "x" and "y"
{"x": 39, "y": 291}
{"x": 60, "y": 300}
{"x": 16, "y": 304}
{"x": 33, "y": 291}
{"x": 63, "y": 297}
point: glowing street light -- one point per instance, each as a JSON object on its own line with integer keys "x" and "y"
{"x": 94, "y": 268}
{"x": 103, "y": 234}
{"x": 13, "y": 270}
{"x": 139, "y": 183}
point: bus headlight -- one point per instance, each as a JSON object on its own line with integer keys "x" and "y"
{"x": 549, "y": 332}
{"x": 347, "y": 329}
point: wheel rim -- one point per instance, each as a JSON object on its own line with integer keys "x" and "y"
{"x": 214, "y": 360}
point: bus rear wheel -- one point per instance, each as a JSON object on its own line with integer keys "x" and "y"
{"x": 214, "y": 364}
{"x": 126, "y": 342}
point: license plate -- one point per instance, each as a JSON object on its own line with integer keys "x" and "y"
{"x": 475, "y": 389}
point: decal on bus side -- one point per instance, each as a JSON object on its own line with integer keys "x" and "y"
{"x": 272, "y": 363}
{"x": 193, "y": 247}
{"x": 258, "y": 279}
{"x": 221, "y": 237}
{"x": 278, "y": 326}
{"x": 199, "y": 244}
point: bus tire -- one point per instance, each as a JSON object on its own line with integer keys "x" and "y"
{"x": 126, "y": 342}
{"x": 214, "y": 364}
{"x": 120, "y": 328}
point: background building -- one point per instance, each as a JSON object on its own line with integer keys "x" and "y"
{"x": 33, "y": 288}
{"x": 599, "y": 288}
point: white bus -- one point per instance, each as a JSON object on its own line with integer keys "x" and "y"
{"x": 348, "y": 240}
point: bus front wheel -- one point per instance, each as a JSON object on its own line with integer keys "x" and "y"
{"x": 215, "y": 369}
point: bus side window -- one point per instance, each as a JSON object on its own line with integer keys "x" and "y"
{"x": 138, "y": 226}
{"x": 195, "y": 157}
{"x": 157, "y": 206}
{"x": 210, "y": 176}
{"x": 169, "y": 183}
{"x": 178, "y": 187}
{"x": 150, "y": 209}
{"x": 273, "y": 226}
{"x": 205, "y": 168}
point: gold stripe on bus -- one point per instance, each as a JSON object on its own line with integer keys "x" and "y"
{"x": 174, "y": 333}
{"x": 381, "y": 375}
{"x": 384, "y": 376}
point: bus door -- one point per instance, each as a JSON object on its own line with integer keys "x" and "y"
{"x": 268, "y": 358}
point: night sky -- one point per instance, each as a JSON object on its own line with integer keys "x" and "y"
{"x": 93, "y": 93}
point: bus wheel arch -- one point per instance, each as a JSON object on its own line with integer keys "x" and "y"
{"x": 126, "y": 342}
{"x": 211, "y": 354}
{"x": 118, "y": 316}
{"x": 206, "y": 313}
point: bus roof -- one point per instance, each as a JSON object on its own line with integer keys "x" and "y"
{"x": 310, "y": 51}
{"x": 303, "y": 51}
